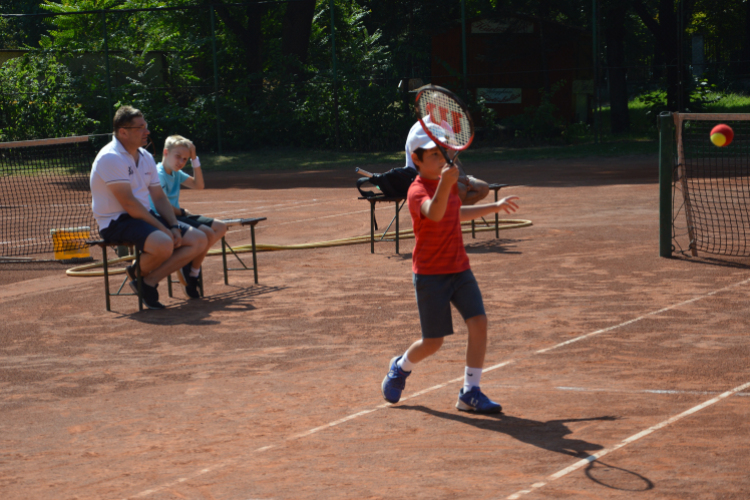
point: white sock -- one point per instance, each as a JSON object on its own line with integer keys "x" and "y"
{"x": 194, "y": 272}
{"x": 472, "y": 376}
{"x": 405, "y": 364}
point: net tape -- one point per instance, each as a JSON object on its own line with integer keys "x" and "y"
{"x": 44, "y": 191}
{"x": 445, "y": 118}
{"x": 712, "y": 185}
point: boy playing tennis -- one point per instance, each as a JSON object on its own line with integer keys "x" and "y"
{"x": 441, "y": 272}
{"x": 177, "y": 151}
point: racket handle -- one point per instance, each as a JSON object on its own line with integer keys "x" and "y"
{"x": 362, "y": 172}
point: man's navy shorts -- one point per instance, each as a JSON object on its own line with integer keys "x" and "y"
{"x": 435, "y": 294}
{"x": 127, "y": 229}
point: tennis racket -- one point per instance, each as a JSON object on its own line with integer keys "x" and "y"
{"x": 362, "y": 172}
{"x": 445, "y": 119}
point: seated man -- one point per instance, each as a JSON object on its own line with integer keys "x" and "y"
{"x": 122, "y": 179}
{"x": 177, "y": 151}
{"x": 470, "y": 189}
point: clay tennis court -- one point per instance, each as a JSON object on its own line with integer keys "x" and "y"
{"x": 272, "y": 391}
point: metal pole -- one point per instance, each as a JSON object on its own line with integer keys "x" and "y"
{"x": 596, "y": 72}
{"x": 106, "y": 61}
{"x": 680, "y": 62}
{"x": 463, "y": 41}
{"x": 335, "y": 87}
{"x": 666, "y": 173}
{"x": 216, "y": 80}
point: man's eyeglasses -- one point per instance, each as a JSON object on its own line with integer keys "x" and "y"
{"x": 140, "y": 127}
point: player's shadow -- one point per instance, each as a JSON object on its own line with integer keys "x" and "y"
{"x": 491, "y": 246}
{"x": 551, "y": 436}
{"x": 198, "y": 312}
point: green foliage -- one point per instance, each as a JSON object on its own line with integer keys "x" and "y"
{"x": 543, "y": 122}
{"x": 39, "y": 99}
{"x": 8, "y": 39}
{"x": 701, "y": 95}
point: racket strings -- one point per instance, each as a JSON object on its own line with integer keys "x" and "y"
{"x": 449, "y": 123}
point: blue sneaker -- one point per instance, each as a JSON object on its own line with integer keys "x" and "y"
{"x": 394, "y": 382}
{"x": 474, "y": 400}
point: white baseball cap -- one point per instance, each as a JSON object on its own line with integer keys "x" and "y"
{"x": 418, "y": 138}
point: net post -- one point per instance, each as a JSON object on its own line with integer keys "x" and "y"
{"x": 666, "y": 169}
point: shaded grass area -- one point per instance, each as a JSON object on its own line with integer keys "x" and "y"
{"x": 300, "y": 159}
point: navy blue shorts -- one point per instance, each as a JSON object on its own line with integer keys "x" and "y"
{"x": 435, "y": 294}
{"x": 196, "y": 220}
{"x": 127, "y": 229}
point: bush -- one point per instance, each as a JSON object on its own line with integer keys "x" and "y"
{"x": 39, "y": 98}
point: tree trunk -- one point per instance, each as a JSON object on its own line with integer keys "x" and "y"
{"x": 296, "y": 28}
{"x": 746, "y": 43}
{"x": 250, "y": 37}
{"x": 618, "y": 85}
{"x": 666, "y": 33}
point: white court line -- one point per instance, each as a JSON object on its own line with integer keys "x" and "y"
{"x": 625, "y": 442}
{"x": 444, "y": 384}
{"x": 670, "y": 392}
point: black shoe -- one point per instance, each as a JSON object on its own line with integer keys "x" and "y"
{"x": 150, "y": 295}
{"x": 130, "y": 271}
{"x": 190, "y": 283}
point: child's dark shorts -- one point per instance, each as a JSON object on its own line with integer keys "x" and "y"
{"x": 131, "y": 230}
{"x": 435, "y": 294}
{"x": 196, "y": 220}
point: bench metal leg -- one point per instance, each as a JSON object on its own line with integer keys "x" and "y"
{"x": 398, "y": 209}
{"x": 372, "y": 227}
{"x": 224, "y": 259}
{"x": 139, "y": 279}
{"x": 225, "y": 247}
{"x": 255, "y": 258}
{"x": 497, "y": 219}
{"x": 106, "y": 277}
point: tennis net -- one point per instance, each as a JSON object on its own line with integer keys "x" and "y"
{"x": 711, "y": 186}
{"x": 45, "y": 199}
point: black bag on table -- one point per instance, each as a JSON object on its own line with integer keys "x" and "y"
{"x": 393, "y": 183}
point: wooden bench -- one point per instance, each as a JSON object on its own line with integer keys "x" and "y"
{"x": 252, "y": 222}
{"x": 103, "y": 244}
{"x": 399, "y": 201}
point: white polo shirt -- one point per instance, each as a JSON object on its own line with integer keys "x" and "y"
{"x": 113, "y": 165}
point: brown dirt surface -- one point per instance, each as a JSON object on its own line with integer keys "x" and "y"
{"x": 272, "y": 391}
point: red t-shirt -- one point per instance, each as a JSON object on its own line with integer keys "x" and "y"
{"x": 439, "y": 247}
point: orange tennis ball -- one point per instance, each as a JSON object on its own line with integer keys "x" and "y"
{"x": 722, "y": 135}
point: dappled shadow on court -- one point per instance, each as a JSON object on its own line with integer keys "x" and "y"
{"x": 200, "y": 312}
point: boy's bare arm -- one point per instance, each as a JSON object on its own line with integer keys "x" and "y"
{"x": 507, "y": 205}
{"x": 434, "y": 208}
{"x": 196, "y": 181}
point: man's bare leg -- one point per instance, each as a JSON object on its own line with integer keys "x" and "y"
{"x": 213, "y": 234}
{"x": 475, "y": 191}
{"x": 193, "y": 243}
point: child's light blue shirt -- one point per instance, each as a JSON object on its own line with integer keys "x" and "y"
{"x": 170, "y": 183}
